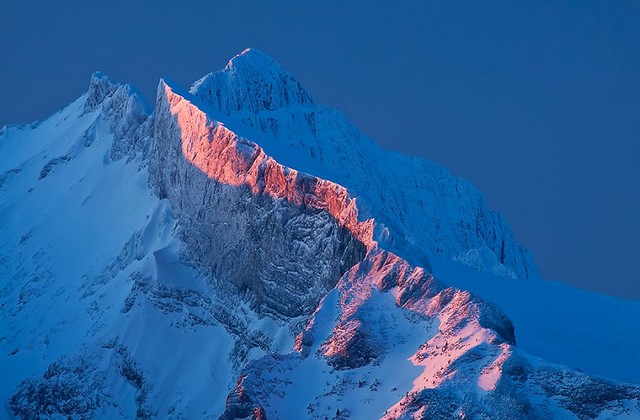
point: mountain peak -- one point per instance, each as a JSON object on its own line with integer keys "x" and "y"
{"x": 100, "y": 87}
{"x": 256, "y": 58}
{"x": 180, "y": 232}
{"x": 251, "y": 82}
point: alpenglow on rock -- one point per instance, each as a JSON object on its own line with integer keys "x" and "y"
{"x": 216, "y": 257}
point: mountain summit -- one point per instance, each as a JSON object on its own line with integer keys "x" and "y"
{"x": 241, "y": 252}
{"x": 416, "y": 203}
{"x": 251, "y": 82}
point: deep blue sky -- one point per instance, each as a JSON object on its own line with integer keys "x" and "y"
{"x": 536, "y": 102}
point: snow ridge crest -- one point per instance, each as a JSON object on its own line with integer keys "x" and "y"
{"x": 251, "y": 82}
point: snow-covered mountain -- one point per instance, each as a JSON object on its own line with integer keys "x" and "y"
{"x": 240, "y": 251}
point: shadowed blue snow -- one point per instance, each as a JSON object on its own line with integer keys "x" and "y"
{"x": 535, "y": 103}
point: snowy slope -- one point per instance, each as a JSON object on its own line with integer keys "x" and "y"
{"x": 66, "y": 208}
{"x": 215, "y": 257}
{"x": 595, "y": 333}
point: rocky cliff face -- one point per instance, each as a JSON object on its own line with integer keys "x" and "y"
{"x": 228, "y": 282}
{"x": 302, "y": 233}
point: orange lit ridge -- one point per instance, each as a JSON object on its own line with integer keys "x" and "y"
{"x": 229, "y": 159}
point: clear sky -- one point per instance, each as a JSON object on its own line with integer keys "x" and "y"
{"x": 536, "y": 102}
